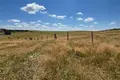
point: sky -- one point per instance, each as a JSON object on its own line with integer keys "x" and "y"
{"x": 59, "y": 15}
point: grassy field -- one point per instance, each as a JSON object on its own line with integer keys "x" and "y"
{"x": 37, "y": 56}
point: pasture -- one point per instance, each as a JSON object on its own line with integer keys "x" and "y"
{"x": 36, "y": 55}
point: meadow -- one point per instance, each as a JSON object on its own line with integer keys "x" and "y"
{"x": 36, "y": 55}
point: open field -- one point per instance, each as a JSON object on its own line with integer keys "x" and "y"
{"x": 37, "y": 56}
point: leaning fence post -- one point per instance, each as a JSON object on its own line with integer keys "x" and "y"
{"x": 67, "y": 35}
{"x": 92, "y": 38}
{"x": 55, "y": 36}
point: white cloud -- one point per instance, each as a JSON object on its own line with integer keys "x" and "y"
{"x": 79, "y": 13}
{"x": 32, "y": 8}
{"x": 57, "y": 17}
{"x": 28, "y": 26}
{"x": 24, "y": 24}
{"x": 71, "y": 17}
{"x": 90, "y": 27}
{"x": 61, "y": 17}
{"x": 81, "y": 25}
{"x": 113, "y": 23}
{"x": 44, "y": 26}
{"x": 47, "y": 23}
{"x": 43, "y": 12}
{"x": 54, "y": 24}
{"x": 14, "y": 20}
{"x": 15, "y": 23}
{"x": 61, "y": 25}
{"x": 79, "y": 19}
{"x": 37, "y": 24}
{"x": 89, "y": 19}
{"x": 58, "y": 25}
{"x": 53, "y": 15}
{"x": 40, "y": 26}
{"x": 38, "y": 21}
{"x": 95, "y": 22}
{"x": 34, "y": 22}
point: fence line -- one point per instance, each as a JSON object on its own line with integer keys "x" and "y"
{"x": 56, "y": 37}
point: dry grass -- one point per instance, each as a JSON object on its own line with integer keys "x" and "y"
{"x": 76, "y": 59}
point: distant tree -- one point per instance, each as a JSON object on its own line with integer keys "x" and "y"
{"x": 7, "y": 32}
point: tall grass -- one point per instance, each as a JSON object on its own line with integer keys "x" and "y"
{"x": 76, "y": 59}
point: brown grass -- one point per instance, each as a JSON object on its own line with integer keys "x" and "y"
{"x": 76, "y": 59}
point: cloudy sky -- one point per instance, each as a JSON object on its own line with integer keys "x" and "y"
{"x": 60, "y": 15}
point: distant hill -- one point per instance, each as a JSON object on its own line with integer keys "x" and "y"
{"x": 112, "y": 29}
{"x": 14, "y": 30}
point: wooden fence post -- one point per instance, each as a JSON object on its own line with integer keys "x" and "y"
{"x": 92, "y": 38}
{"x": 47, "y": 37}
{"x": 67, "y": 35}
{"x": 42, "y": 38}
{"x": 30, "y": 38}
{"x": 55, "y": 36}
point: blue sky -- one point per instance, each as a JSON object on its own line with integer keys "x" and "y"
{"x": 60, "y": 14}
